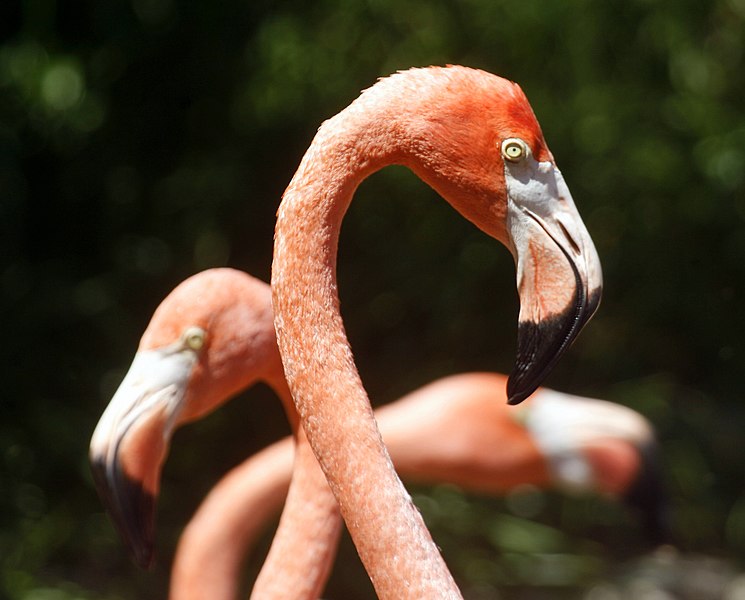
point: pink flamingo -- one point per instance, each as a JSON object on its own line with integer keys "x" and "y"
{"x": 473, "y": 137}
{"x": 211, "y": 337}
{"x": 443, "y": 432}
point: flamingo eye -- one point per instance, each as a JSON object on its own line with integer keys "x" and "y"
{"x": 194, "y": 337}
{"x": 514, "y": 149}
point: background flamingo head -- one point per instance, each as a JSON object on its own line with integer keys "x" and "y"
{"x": 592, "y": 445}
{"x": 182, "y": 370}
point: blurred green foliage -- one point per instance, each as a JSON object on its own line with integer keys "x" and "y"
{"x": 143, "y": 140}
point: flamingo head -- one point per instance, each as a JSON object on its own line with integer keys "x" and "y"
{"x": 478, "y": 143}
{"x": 181, "y": 371}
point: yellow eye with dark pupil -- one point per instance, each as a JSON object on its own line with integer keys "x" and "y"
{"x": 194, "y": 338}
{"x": 514, "y": 149}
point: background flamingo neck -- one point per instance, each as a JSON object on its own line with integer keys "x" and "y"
{"x": 305, "y": 543}
{"x": 387, "y": 529}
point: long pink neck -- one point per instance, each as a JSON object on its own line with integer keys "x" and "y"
{"x": 388, "y": 531}
{"x": 305, "y": 543}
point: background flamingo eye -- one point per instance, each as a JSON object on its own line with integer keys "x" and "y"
{"x": 194, "y": 337}
{"x": 514, "y": 149}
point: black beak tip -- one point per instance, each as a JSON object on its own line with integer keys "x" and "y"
{"x": 513, "y": 399}
{"x": 131, "y": 508}
{"x": 143, "y": 555}
{"x": 516, "y": 392}
{"x": 541, "y": 345}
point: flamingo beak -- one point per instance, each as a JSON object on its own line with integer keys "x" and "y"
{"x": 559, "y": 278}
{"x": 130, "y": 444}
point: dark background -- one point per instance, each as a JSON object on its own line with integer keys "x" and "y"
{"x": 143, "y": 141}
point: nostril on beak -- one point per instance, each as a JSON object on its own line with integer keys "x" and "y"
{"x": 575, "y": 246}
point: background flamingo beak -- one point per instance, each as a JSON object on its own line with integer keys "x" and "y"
{"x": 648, "y": 495}
{"x": 130, "y": 444}
{"x": 130, "y": 506}
{"x": 559, "y": 278}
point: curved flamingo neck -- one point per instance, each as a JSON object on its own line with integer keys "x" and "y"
{"x": 304, "y": 546}
{"x": 388, "y": 531}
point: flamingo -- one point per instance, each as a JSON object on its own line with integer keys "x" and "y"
{"x": 211, "y": 337}
{"x": 221, "y": 319}
{"x": 473, "y": 137}
{"x": 442, "y": 432}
